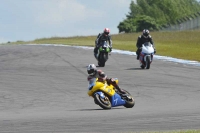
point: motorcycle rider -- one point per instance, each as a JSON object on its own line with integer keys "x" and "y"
{"x": 93, "y": 73}
{"x": 101, "y": 38}
{"x": 145, "y": 37}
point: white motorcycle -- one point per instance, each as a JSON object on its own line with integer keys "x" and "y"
{"x": 146, "y": 55}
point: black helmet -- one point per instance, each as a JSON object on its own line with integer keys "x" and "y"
{"x": 145, "y": 33}
{"x": 91, "y": 69}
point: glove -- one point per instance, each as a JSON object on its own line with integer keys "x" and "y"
{"x": 103, "y": 76}
{"x": 108, "y": 81}
{"x": 111, "y": 80}
{"x": 154, "y": 51}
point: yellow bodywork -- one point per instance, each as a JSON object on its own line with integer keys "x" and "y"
{"x": 102, "y": 86}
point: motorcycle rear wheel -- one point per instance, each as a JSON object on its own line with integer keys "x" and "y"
{"x": 102, "y": 102}
{"x": 142, "y": 66}
{"x": 130, "y": 102}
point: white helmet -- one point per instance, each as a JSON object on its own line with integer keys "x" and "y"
{"x": 91, "y": 69}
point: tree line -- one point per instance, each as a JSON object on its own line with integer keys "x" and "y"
{"x": 154, "y": 14}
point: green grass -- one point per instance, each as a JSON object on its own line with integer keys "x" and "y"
{"x": 182, "y": 45}
{"x": 180, "y": 131}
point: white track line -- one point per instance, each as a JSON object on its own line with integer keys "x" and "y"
{"x": 164, "y": 58}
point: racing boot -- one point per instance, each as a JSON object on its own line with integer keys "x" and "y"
{"x": 112, "y": 82}
{"x": 137, "y": 57}
{"x": 123, "y": 94}
{"x": 118, "y": 88}
{"x": 138, "y": 53}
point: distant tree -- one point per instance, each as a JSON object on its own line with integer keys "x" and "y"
{"x": 127, "y": 26}
{"x": 134, "y": 10}
{"x": 145, "y": 22}
{"x": 152, "y": 14}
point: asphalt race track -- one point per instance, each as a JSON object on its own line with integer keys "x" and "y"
{"x": 43, "y": 89}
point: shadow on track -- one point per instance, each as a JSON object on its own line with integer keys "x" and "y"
{"x": 97, "y": 109}
{"x": 134, "y": 69}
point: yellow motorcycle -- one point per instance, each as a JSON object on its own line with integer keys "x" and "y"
{"x": 106, "y": 96}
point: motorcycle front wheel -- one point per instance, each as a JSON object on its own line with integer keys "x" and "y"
{"x": 101, "y": 64}
{"x": 102, "y": 102}
{"x": 148, "y": 62}
{"x": 103, "y": 57}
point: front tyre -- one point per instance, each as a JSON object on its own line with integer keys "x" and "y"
{"x": 102, "y": 102}
{"x": 148, "y": 62}
{"x": 101, "y": 64}
{"x": 103, "y": 57}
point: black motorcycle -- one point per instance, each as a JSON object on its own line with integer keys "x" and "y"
{"x": 103, "y": 52}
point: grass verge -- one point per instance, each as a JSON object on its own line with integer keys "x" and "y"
{"x": 182, "y": 45}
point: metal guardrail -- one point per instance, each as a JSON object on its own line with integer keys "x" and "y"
{"x": 189, "y": 23}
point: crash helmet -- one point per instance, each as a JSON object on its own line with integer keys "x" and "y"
{"x": 91, "y": 69}
{"x": 106, "y": 31}
{"x": 145, "y": 33}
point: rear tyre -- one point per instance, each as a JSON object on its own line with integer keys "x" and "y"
{"x": 142, "y": 66}
{"x": 102, "y": 102}
{"x": 130, "y": 102}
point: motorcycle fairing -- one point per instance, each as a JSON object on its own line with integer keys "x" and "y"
{"x": 104, "y": 50}
{"x": 101, "y": 94}
{"x": 104, "y": 87}
{"x": 142, "y": 56}
{"x": 147, "y": 48}
{"x": 104, "y": 47}
{"x": 116, "y": 100}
